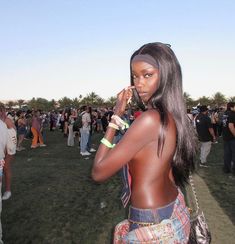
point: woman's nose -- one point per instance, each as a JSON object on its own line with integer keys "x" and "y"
{"x": 139, "y": 82}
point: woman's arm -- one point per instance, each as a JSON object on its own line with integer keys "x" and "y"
{"x": 142, "y": 131}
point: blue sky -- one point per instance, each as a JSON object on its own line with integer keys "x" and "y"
{"x": 57, "y": 48}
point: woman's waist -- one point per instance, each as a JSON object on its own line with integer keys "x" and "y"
{"x": 152, "y": 196}
{"x": 150, "y": 216}
{"x": 157, "y": 214}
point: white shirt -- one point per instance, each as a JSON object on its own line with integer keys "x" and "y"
{"x": 86, "y": 120}
{"x": 3, "y": 139}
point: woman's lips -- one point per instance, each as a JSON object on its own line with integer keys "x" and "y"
{"x": 142, "y": 94}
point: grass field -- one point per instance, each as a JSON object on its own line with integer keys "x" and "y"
{"x": 55, "y": 200}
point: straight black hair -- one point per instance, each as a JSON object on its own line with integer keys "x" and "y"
{"x": 168, "y": 97}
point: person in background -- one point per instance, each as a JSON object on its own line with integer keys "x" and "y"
{"x": 89, "y": 147}
{"x": 137, "y": 113}
{"x": 205, "y": 134}
{"x": 156, "y": 153}
{"x": 104, "y": 119}
{"x": 72, "y": 116}
{"x": 99, "y": 127}
{"x": 36, "y": 130}
{"x": 85, "y": 130}
{"x": 10, "y": 152}
{"x": 214, "y": 121}
{"x": 52, "y": 120}
{"x": 190, "y": 116}
{"x": 220, "y": 121}
{"x": 21, "y": 130}
{"x": 67, "y": 112}
{"x": 229, "y": 139}
{"x": 3, "y": 146}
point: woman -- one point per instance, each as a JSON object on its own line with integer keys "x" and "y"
{"x": 36, "y": 130}
{"x": 156, "y": 153}
{"x": 72, "y": 116}
{"x": 21, "y": 130}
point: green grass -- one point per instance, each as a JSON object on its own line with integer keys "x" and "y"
{"x": 55, "y": 200}
{"x": 221, "y": 186}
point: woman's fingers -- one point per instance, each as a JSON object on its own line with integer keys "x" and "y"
{"x": 124, "y": 97}
{"x": 121, "y": 102}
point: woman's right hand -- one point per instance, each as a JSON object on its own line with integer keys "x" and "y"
{"x": 123, "y": 98}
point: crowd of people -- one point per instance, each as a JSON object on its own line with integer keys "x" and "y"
{"x": 209, "y": 124}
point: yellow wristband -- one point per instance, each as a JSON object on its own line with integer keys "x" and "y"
{"x": 107, "y": 143}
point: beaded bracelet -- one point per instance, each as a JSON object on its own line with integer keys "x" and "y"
{"x": 114, "y": 126}
{"x": 120, "y": 123}
{"x": 107, "y": 143}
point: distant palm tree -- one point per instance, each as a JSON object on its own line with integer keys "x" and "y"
{"x": 188, "y": 100}
{"x": 10, "y": 104}
{"x": 231, "y": 99}
{"x": 91, "y": 99}
{"x": 39, "y": 103}
{"x": 52, "y": 104}
{"x": 20, "y": 103}
{"x": 218, "y": 99}
{"x": 204, "y": 101}
{"x": 99, "y": 101}
{"x": 111, "y": 101}
{"x": 75, "y": 102}
{"x": 65, "y": 102}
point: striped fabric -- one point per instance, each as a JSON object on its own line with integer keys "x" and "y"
{"x": 126, "y": 191}
{"x": 169, "y": 231}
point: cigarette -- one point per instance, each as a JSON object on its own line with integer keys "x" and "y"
{"x": 129, "y": 100}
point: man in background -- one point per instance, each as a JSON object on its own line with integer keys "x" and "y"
{"x": 205, "y": 134}
{"x": 85, "y": 130}
{"x": 229, "y": 138}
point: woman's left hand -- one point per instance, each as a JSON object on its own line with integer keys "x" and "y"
{"x": 123, "y": 98}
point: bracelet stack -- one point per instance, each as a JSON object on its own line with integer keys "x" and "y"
{"x": 114, "y": 126}
{"x": 122, "y": 125}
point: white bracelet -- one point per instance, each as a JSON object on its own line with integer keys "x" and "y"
{"x": 120, "y": 123}
{"x": 114, "y": 126}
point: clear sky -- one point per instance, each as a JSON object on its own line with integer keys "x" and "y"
{"x": 57, "y": 48}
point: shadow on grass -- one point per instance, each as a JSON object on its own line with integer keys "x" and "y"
{"x": 221, "y": 186}
{"x": 55, "y": 200}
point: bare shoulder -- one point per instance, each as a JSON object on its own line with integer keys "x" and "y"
{"x": 149, "y": 118}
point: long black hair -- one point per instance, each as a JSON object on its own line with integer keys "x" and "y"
{"x": 168, "y": 97}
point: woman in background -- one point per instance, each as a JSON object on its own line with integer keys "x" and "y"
{"x": 36, "y": 130}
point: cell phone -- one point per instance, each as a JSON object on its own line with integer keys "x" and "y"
{"x": 137, "y": 100}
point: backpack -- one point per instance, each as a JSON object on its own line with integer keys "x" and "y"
{"x": 77, "y": 125}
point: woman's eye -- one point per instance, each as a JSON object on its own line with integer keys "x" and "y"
{"x": 147, "y": 75}
{"x": 134, "y": 77}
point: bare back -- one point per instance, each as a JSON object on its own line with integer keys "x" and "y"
{"x": 152, "y": 181}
